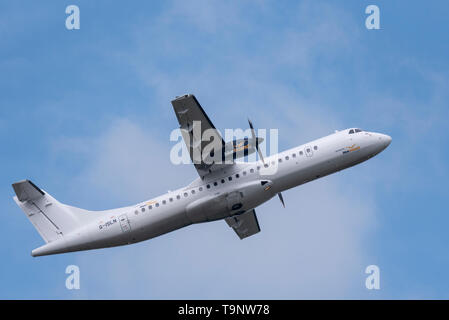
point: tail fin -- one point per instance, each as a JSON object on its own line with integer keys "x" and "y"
{"x": 51, "y": 218}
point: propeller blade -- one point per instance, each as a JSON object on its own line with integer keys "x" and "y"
{"x": 256, "y": 140}
{"x": 253, "y": 133}
{"x": 282, "y": 199}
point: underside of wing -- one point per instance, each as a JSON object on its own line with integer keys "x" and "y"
{"x": 203, "y": 141}
{"x": 244, "y": 225}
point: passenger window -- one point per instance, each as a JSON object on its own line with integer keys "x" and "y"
{"x": 308, "y": 150}
{"x": 251, "y": 170}
{"x": 286, "y": 158}
{"x": 171, "y": 199}
{"x": 222, "y": 180}
{"x": 280, "y": 160}
{"x": 230, "y": 178}
{"x": 201, "y": 189}
{"x": 215, "y": 183}
{"x": 244, "y": 173}
{"x": 208, "y": 186}
{"x": 315, "y": 147}
{"x": 164, "y": 202}
{"x": 294, "y": 155}
{"x": 193, "y": 191}
{"x": 258, "y": 167}
{"x": 237, "y": 176}
{"x": 185, "y": 194}
{"x": 178, "y": 197}
{"x": 150, "y": 207}
{"x": 300, "y": 153}
{"x": 143, "y": 209}
{"x": 157, "y": 204}
{"x": 136, "y": 212}
{"x": 265, "y": 165}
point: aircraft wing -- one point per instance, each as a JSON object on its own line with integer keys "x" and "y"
{"x": 200, "y": 135}
{"x": 244, "y": 225}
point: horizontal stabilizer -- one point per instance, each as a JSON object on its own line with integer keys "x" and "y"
{"x": 26, "y": 190}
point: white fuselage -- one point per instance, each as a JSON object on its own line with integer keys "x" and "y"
{"x": 247, "y": 186}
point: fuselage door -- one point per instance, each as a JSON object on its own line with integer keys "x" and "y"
{"x": 308, "y": 151}
{"x": 124, "y": 223}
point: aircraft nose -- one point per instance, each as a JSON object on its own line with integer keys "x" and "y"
{"x": 384, "y": 140}
{"x": 387, "y": 139}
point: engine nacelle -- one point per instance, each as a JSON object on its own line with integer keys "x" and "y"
{"x": 234, "y": 149}
{"x": 235, "y": 202}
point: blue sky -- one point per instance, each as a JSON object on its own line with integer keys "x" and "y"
{"x": 86, "y": 115}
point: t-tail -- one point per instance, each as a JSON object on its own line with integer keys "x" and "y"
{"x": 55, "y": 222}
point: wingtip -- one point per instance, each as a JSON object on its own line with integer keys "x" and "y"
{"x": 184, "y": 96}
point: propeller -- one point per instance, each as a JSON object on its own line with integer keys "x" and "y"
{"x": 253, "y": 133}
{"x": 281, "y": 198}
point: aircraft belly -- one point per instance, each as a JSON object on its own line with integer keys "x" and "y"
{"x": 166, "y": 225}
{"x": 208, "y": 209}
{"x": 234, "y": 201}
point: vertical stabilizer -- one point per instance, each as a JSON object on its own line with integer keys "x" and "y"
{"x": 51, "y": 218}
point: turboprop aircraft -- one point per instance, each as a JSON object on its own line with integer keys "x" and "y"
{"x": 228, "y": 190}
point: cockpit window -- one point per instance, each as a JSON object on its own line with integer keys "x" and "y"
{"x": 355, "y": 131}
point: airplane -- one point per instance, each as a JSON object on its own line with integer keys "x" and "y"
{"x": 227, "y": 191}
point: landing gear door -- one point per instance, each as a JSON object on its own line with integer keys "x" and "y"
{"x": 124, "y": 223}
{"x": 234, "y": 201}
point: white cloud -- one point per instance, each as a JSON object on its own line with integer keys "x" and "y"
{"x": 312, "y": 249}
{"x": 122, "y": 164}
